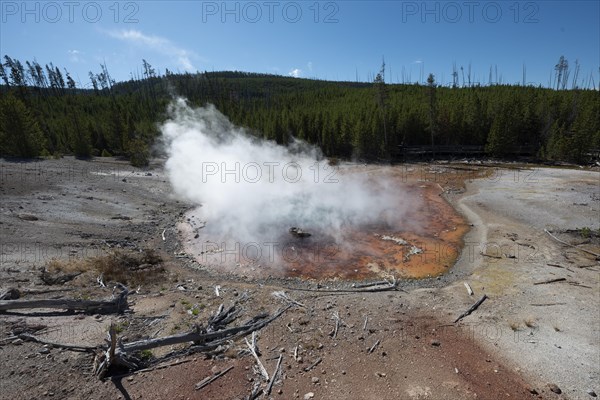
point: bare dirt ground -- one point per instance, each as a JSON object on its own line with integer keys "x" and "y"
{"x": 524, "y": 337}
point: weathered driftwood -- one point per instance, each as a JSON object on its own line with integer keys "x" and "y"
{"x": 210, "y": 379}
{"x": 116, "y": 305}
{"x": 471, "y": 309}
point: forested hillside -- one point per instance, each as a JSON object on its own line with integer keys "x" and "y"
{"x": 43, "y": 113}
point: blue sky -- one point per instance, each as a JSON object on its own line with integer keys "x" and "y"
{"x": 334, "y": 40}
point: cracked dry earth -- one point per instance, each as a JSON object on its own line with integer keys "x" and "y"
{"x": 399, "y": 344}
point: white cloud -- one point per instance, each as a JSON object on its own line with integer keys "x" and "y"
{"x": 418, "y": 62}
{"x": 180, "y": 56}
{"x": 295, "y": 73}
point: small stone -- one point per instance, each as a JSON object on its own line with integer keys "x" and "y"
{"x": 554, "y": 388}
{"x": 592, "y": 393}
{"x": 533, "y": 391}
{"x": 44, "y": 350}
{"x": 435, "y": 343}
{"x": 309, "y": 396}
{"x": 279, "y": 391}
{"x": 315, "y": 379}
{"x": 381, "y": 374}
{"x": 130, "y": 379}
{"x": 343, "y": 372}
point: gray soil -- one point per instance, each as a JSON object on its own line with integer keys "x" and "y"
{"x": 524, "y": 337}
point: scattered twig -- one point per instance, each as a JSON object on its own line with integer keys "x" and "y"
{"x": 365, "y": 324}
{"x": 547, "y": 304}
{"x": 163, "y": 235}
{"x": 471, "y": 309}
{"x": 571, "y": 245}
{"x": 336, "y": 318}
{"x": 296, "y": 353}
{"x": 100, "y": 281}
{"x": 210, "y": 379}
{"x": 282, "y": 296}
{"x": 311, "y": 366}
{"x": 469, "y": 290}
{"x": 217, "y": 288}
{"x": 579, "y": 284}
{"x": 274, "y": 376}
{"x": 372, "y": 349}
{"x": 550, "y": 281}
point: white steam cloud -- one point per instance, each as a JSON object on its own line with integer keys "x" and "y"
{"x": 252, "y": 190}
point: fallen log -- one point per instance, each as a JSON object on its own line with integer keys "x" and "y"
{"x": 471, "y": 309}
{"x": 116, "y": 305}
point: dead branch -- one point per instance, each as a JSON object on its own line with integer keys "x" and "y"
{"x": 372, "y": 349}
{"x": 210, "y": 379}
{"x": 274, "y": 376}
{"x": 116, "y": 305}
{"x": 471, "y": 309}
{"x": 469, "y": 290}
{"x": 370, "y": 284}
{"x": 261, "y": 367}
{"x": 547, "y": 304}
{"x": 550, "y": 281}
{"x": 387, "y": 287}
{"x": 10, "y": 294}
{"x": 208, "y": 340}
{"x": 30, "y": 338}
{"x": 365, "y": 324}
{"x": 283, "y": 296}
{"x": 571, "y": 245}
{"x": 256, "y": 391}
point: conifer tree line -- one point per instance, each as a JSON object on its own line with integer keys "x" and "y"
{"x": 44, "y": 112}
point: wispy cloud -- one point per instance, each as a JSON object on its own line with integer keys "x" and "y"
{"x": 418, "y": 61}
{"x": 182, "y": 57}
{"x": 310, "y": 66}
{"x": 295, "y": 72}
{"x": 74, "y": 56}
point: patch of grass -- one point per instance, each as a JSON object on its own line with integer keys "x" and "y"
{"x": 585, "y": 232}
{"x": 121, "y": 326}
{"x": 146, "y": 355}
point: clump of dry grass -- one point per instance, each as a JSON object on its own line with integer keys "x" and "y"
{"x": 530, "y": 323}
{"x": 126, "y": 267}
{"x": 514, "y": 325}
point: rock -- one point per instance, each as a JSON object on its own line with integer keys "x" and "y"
{"x": 533, "y": 391}
{"x": 554, "y": 388}
{"x": 592, "y": 393}
{"x": 315, "y": 379}
{"x": 435, "y": 343}
{"x": 17, "y": 342}
{"x": 309, "y": 396}
{"x": 44, "y": 350}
